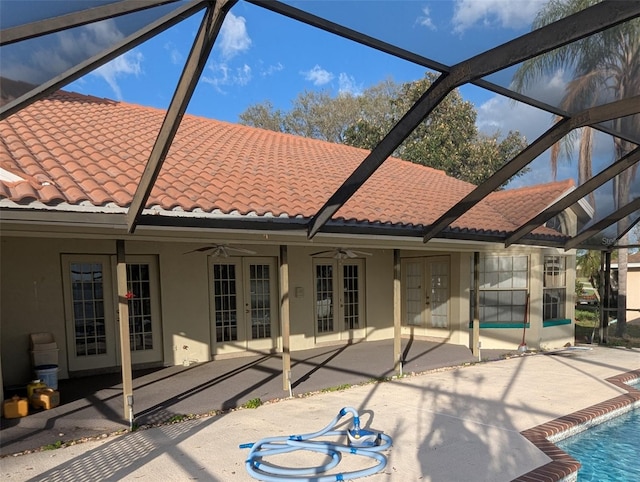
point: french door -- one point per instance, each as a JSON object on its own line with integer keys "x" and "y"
{"x": 339, "y": 299}
{"x": 425, "y": 292}
{"x": 244, "y": 309}
{"x": 91, "y": 311}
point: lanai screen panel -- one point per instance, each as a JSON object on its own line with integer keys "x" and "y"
{"x": 399, "y": 27}
{"x": 25, "y": 65}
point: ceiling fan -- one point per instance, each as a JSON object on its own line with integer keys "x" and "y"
{"x": 221, "y": 250}
{"x": 343, "y": 253}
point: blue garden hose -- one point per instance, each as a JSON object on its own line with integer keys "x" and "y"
{"x": 359, "y": 442}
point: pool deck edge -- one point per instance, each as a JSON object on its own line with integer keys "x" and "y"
{"x": 563, "y": 467}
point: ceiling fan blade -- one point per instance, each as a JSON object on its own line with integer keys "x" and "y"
{"x": 240, "y": 250}
{"x": 200, "y": 250}
{"x": 221, "y": 250}
{"x": 360, "y": 253}
{"x": 322, "y": 252}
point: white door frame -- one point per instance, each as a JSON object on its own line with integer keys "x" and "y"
{"x": 102, "y": 306}
{"x": 334, "y": 307}
{"x": 238, "y": 306}
{"x": 427, "y": 288}
{"x": 110, "y": 306}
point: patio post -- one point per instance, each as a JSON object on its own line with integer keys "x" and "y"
{"x": 123, "y": 321}
{"x": 284, "y": 316}
{"x": 475, "y": 336}
{"x": 397, "y": 314}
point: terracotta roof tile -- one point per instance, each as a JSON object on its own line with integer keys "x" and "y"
{"x": 95, "y": 150}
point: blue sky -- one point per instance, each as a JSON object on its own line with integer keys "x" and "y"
{"x": 260, "y": 56}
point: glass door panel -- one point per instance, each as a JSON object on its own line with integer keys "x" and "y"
{"x": 227, "y": 328}
{"x": 324, "y": 298}
{"x": 89, "y": 313}
{"x": 414, "y": 301}
{"x": 143, "y": 297}
{"x": 439, "y": 297}
{"x": 244, "y": 309}
{"x": 425, "y": 292}
{"x": 261, "y": 303}
{"x": 351, "y": 296}
{"x": 339, "y": 299}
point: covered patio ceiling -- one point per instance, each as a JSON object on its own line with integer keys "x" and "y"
{"x": 617, "y": 116}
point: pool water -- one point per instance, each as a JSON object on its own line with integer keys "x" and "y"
{"x": 609, "y": 452}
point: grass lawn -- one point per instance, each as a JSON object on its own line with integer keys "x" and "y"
{"x": 585, "y": 322}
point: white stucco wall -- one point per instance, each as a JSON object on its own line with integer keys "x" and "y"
{"x": 32, "y": 295}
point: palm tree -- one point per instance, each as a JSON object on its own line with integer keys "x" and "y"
{"x": 603, "y": 67}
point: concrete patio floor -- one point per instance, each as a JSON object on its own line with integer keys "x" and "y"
{"x": 453, "y": 424}
{"x": 93, "y": 405}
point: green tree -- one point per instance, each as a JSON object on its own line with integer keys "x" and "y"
{"x": 263, "y": 115}
{"x": 602, "y": 67}
{"x": 314, "y": 114}
{"x": 448, "y": 139}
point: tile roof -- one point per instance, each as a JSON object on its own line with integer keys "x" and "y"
{"x": 516, "y": 203}
{"x": 72, "y": 148}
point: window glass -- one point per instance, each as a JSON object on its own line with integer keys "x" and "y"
{"x": 503, "y": 288}
{"x": 554, "y": 292}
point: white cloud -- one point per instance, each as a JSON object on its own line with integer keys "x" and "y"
{"x": 505, "y": 13}
{"x": 503, "y": 114}
{"x": 318, "y": 75}
{"x": 222, "y": 75}
{"x": 347, "y": 85}
{"x": 130, "y": 63}
{"x": 174, "y": 54}
{"x": 233, "y": 38}
{"x": 425, "y": 19}
{"x": 271, "y": 69}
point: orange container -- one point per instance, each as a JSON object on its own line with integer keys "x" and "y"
{"x": 33, "y": 386}
{"x": 45, "y": 398}
{"x": 15, "y": 407}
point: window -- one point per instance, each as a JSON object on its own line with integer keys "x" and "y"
{"x": 554, "y": 291}
{"x": 503, "y": 288}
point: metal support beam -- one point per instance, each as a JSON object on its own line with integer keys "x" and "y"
{"x": 623, "y": 232}
{"x": 475, "y": 334}
{"x": 123, "y": 324}
{"x": 573, "y": 197}
{"x": 594, "y": 115}
{"x": 397, "y": 314}
{"x": 564, "y": 31}
{"x": 606, "y": 301}
{"x": 284, "y": 318}
{"x": 391, "y": 49}
{"x": 75, "y": 19}
{"x": 603, "y": 224}
{"x": 209, "y": 28}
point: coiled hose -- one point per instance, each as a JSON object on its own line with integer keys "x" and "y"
{"x": 360, "y": 442}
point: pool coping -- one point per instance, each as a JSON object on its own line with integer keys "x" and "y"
{"x": 563, "y": 467}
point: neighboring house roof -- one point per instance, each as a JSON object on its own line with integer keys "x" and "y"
{"x": 633, "y": 261}
{"x": 76, "y": 151}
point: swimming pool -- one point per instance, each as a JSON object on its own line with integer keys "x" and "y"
{"x": 608, "y": 452}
